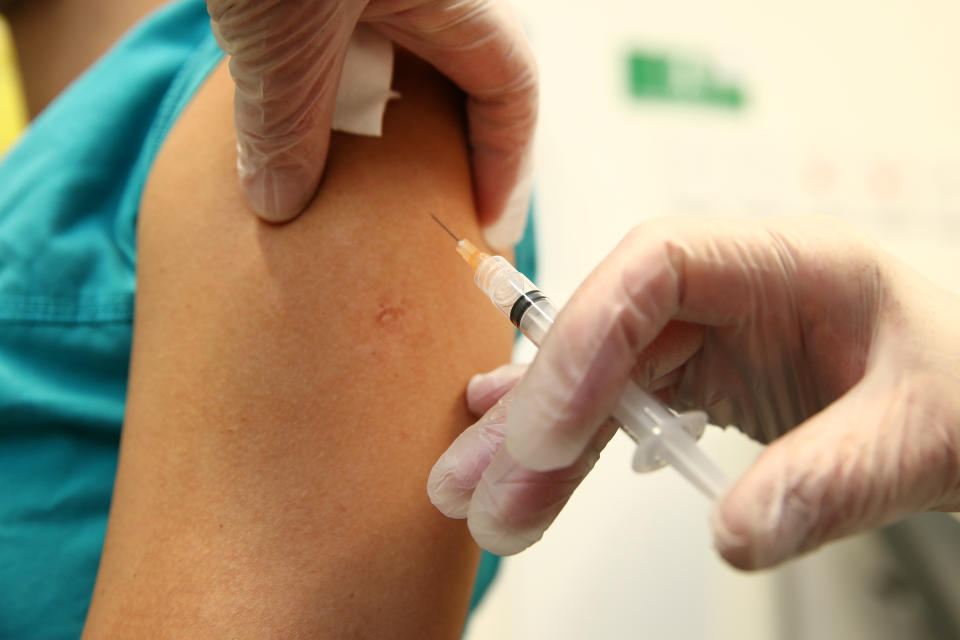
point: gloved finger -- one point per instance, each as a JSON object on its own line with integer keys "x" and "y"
{"x": 485, "y": 389}
{"x": 513, "y": 506}
{"x": 660, "y": 367}
{"x": 480, "y": 46}
{"x": 285, "y": 60}
{"x": 657, "y": 364}
{"x": 456, "y": 473}
{"x": 878, "y": 453}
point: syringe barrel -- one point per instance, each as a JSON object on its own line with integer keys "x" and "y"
{"x": 537, "y": 319}
{"x": 516, "y": 297}
{"x": 661, "y": 435}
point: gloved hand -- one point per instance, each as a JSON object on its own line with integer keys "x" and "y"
{"x": 286, "y": 59}
{"x": 507, "y": 506}
{"x": 797, "y": 331}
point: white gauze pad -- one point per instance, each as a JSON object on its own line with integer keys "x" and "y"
{"x": 364, "y": 84}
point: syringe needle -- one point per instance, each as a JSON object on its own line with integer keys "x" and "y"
{"x": 452, "y": 235}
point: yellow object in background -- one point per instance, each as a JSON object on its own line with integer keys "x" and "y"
{"x": 13, "y": 110}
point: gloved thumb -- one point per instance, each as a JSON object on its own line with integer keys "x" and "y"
{"x": 873, "y": 456}
{"x": 285, "y": 60}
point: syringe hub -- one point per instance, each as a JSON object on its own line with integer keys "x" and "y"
{"x": 471, "y": 255}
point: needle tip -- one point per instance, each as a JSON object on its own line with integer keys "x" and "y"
{"x": 445, "y": 228}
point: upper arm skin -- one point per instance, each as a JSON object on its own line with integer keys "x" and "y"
{"x": 291, "y": 386}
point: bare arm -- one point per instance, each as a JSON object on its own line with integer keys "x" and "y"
{"x": 291, "y": 386}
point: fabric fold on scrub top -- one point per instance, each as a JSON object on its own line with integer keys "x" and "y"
{"x": 70, "y": 188}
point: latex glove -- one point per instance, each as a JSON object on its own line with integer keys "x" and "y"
{"x": 506, "y": 505}
{"x": 286, "y": 59}
{"x": 810, "y": 338}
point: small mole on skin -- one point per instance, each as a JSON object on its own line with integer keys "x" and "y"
{"x": 389, "y": 313}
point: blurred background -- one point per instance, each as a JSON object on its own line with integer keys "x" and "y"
{"x": 734, "y": 108}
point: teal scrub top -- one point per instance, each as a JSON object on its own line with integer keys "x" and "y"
{"x": 69, "y": 194}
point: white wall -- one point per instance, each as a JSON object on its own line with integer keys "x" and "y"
{"x": 853, "y": 110}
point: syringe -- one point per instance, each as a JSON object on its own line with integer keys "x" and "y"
{"x": 662, "y": 436}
